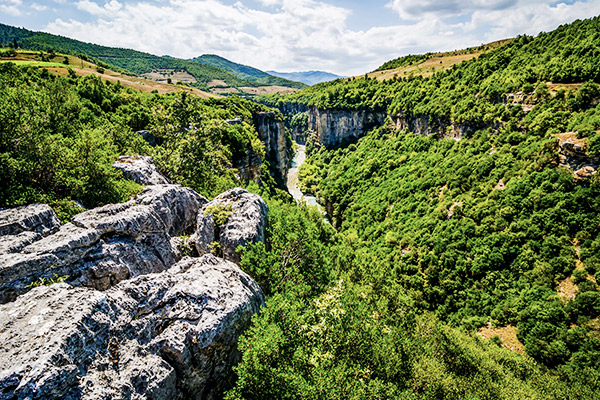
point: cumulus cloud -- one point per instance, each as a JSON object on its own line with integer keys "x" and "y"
{"x": 415, "y": 9}
{"x": 39, "y": 7}
{"x": 93, "y": 8}
{"x": 10, "y": 7}
{"x": 292, "y": 35}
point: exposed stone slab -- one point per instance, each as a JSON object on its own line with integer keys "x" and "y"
{"x": 140, "y": 169}
{"x": 246, "y": 224}
{"x": 170, "y": 335}
{"x": 103, "y": 246}
{"x": 39, "y": 218}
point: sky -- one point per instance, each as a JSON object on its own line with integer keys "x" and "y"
{"x": 344, "y": 37}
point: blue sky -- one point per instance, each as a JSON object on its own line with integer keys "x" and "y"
{"x": 344, "y": 37}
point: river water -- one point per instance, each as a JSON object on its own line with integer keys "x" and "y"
{"x": 293, "y": 183}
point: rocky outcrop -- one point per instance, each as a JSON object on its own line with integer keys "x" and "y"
{"x": 235, "y": 218}
{"x": 271, "y": 132}
{"x": 104, "y": 246}
{"x": 21, "y": 226}
{"x": 432, "y": 126}
{"x": 171, "y": 335}
{"x": 573, "y": 154}
{"x": 337, "y": 127}
{"x": 140, "y": 169}
{"x": 38, "y": 218}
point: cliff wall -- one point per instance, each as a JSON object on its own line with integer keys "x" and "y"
{"x": 271, "y": 131}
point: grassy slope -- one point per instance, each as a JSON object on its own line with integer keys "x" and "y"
{"x": 430, "y": 63}
{"x": 82, "y": 67}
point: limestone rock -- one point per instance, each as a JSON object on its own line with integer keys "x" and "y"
{"x": 140, "y": 169}
{"x": 170, "y": 335}
{"x": 337, "y": 127}
{"x": 573, "y": 154}
{"x": 271, "y": 132}
{"x": 104, "y": 246}
{"x": 38, "y": 218}
{"x": 247, "y": 223}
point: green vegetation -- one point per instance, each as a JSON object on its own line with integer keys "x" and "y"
{"x": 435, "y": 238}
{"x": 48, "y": 281}
{"x": 432, "y": 238}
{"x": 220, "y": 213}
{"x": 245, "y": 72}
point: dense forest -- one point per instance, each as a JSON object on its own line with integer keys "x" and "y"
{"x": 437, "y": 238}
{"x": 432, "y": 238}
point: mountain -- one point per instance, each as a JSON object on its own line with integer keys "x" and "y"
{"x": 245, "y": 72}
{"x": 203, "y": 75}
{"x": 308, "y": 77}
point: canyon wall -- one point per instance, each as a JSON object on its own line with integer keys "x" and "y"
{"x": 271, "y": 130}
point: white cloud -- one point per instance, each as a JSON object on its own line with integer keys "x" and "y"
{"x": 10, "y": 7}
{"x": 307, "y": 34}
{"x": 95, "y": 9}
{"x": 415, "y": 9}
{"x": 531, "y": 19}
{"x": 39, "y": 7}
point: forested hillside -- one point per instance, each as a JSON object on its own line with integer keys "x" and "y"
{"x": 443, "y": 239}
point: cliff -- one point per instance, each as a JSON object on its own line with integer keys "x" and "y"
{"x": 337, "y": 127}
{"x": 271, "y": 130}
{"x": 334, "y": 127}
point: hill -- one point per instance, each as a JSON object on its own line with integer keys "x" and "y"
{"x": 204, "y": 76}
{"x": 247, "y": 73}
{"x": 63, "y": 65}
{"x": 308, "y": 77}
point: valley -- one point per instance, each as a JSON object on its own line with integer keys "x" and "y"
{"x": 154, "y": 241}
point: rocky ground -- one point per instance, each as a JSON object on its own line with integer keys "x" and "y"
{"x": 107, "y": 306}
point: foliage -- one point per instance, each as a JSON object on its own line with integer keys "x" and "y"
{"x": 59, "y": 137}
{"x": 220, "y": 213}
{"x": 437, "y": 237}
{"x": 48, "y": 281}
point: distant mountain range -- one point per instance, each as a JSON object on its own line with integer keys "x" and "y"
{"x": 307, "y": 77}
{"x": 208, "y": 70}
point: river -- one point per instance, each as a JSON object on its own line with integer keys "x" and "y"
{"x": 293, "y": 184}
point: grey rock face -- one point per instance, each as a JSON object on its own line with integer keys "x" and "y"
{"x": 38, "y": 218}
{"x": 140, "y": 169}
{"x": 247, "y": 223}
{"x": 573, "y": 154}
{"x": 335, "y": 127}
{"x": 272, "y": 132}
{"x": 249, "y": 167}
{"x": 104, "y": 246}
{"x": 171, "y": 335}
{"x": 426, "y": 125}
